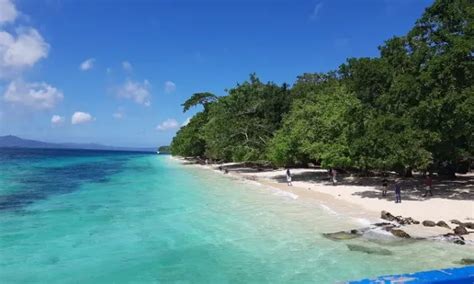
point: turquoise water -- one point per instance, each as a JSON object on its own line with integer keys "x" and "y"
{"x": 105, "y": 217}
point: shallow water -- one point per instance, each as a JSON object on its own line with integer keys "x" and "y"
{"x": 102, "y": 217}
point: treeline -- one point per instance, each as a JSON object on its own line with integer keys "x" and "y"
{"x": 411, "y": 108}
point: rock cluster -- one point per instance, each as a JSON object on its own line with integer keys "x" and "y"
{"x": 399, "y": 219}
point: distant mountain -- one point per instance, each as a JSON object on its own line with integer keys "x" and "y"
{"x": 10, "y": 141}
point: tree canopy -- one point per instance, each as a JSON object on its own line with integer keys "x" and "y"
{"x": 412, "y": 107}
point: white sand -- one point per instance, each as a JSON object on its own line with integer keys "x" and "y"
{"x": 361, "y": 199}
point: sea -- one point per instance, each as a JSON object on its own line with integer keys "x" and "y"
{"x": 82, "y": 216}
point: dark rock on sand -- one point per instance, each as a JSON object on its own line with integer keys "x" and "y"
{"x": 460, "y": 230}
{"x": 443, "y": 224}
{"x": 407, "y": 221}
{"x": 457, "y": 222}
{"x": 399, "y": 219}
{"x": 400, "y": 233}
{"x": 467, "y": 261}
{"x": 469, "y": 225}
{"x": 387, "y": 216}
{"x": 340, "y": 236}
{"x": 382, "y": 224}
{"x": 369, "y": 250}
{"x": 428, "y": 223}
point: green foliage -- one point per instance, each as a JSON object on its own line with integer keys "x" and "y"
{"x": 410, "y": 108}
{"x": 316, "y": 128}
{"x": 188, "y": 141}
{"x": 164, "y": 149}
{"x": 241, "y": 124}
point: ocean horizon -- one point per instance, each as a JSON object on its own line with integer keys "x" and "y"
{"x": 122, "y": 217}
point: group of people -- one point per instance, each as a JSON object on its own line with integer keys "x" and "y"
{"x": 428, "y": 184}
{"x": 397, "y": 185}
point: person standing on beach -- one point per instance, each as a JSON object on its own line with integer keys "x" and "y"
{"x": 288, "y": 177}
{"x": 334, "y": 176}
{"x": 428, "y": 185}
{"x": 385, "y": 186}
{"x": 398, "y": 192}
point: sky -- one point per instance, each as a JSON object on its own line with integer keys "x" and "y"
{"x": 117, "y": 72}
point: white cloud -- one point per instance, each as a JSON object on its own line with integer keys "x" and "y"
{"x": 127, "y": 66}
{"x": 170, "y": 87}
{"x": 138, "y": 92}
{"x": 118, "y": 114}
{"x": 81, "y": 117}
{"x": 35, "y": 95}
{"x": 87, "y": 64}
{"x": 57, "y": 119}
{"x": 8, "y": 12}
{"x": 316, "y": 10}
{"x": 168, "y": 124}
{"x": 22, "y": 51}
{"x": 186, "y": 122}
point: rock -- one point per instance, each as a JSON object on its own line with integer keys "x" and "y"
{"x": 459, "y": 242}
{"x": 467, "y": 261}
{"x": 340, "y": 236}
{"x": 460, "y": 230}
{"x": 457, "y": 222}
{"x": 416, "y": 222}
{"x": 428, "y": 223}
{"x": 469, "y": 225}
{"x": 369, "y": 250}
{"x": 382, "y": 224}
{"x": 400, "y": 233}
{"x": 443, "y": 224}
{"x": 387, "y": 216}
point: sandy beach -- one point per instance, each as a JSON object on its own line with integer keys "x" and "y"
{"x": 361, "y": 198}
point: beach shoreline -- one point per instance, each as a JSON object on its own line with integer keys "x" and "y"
{"x": 362, "y": 201}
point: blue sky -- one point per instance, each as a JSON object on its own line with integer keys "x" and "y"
{"x": 116, "y": 72}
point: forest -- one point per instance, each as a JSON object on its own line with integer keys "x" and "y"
{"x": 410, "y": 108}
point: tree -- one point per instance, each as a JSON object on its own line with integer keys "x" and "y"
{"x": 203, "y": 99}
{"x": 188, "y": 141}
{"x": 241, "y": 123}
{"x": 316, "y": 128}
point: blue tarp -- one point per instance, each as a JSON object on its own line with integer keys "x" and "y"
{"x": 443, "y": 276}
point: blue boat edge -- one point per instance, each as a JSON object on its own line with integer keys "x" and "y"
{"x": 449, "y": 275}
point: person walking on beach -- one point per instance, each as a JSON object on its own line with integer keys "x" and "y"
{"x": 398, "y": 192}
{"x": 428, "y": 185}
{"x": 385, "y": 186}
{"x": 288, "y": 177}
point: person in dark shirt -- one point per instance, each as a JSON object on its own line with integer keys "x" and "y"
{"x": 398, "y": 192}
{"x": 428, "y": 185}
{"x": 288, "y": 177}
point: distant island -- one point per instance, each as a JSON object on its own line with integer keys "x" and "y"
{"x": 11, "y": 141}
